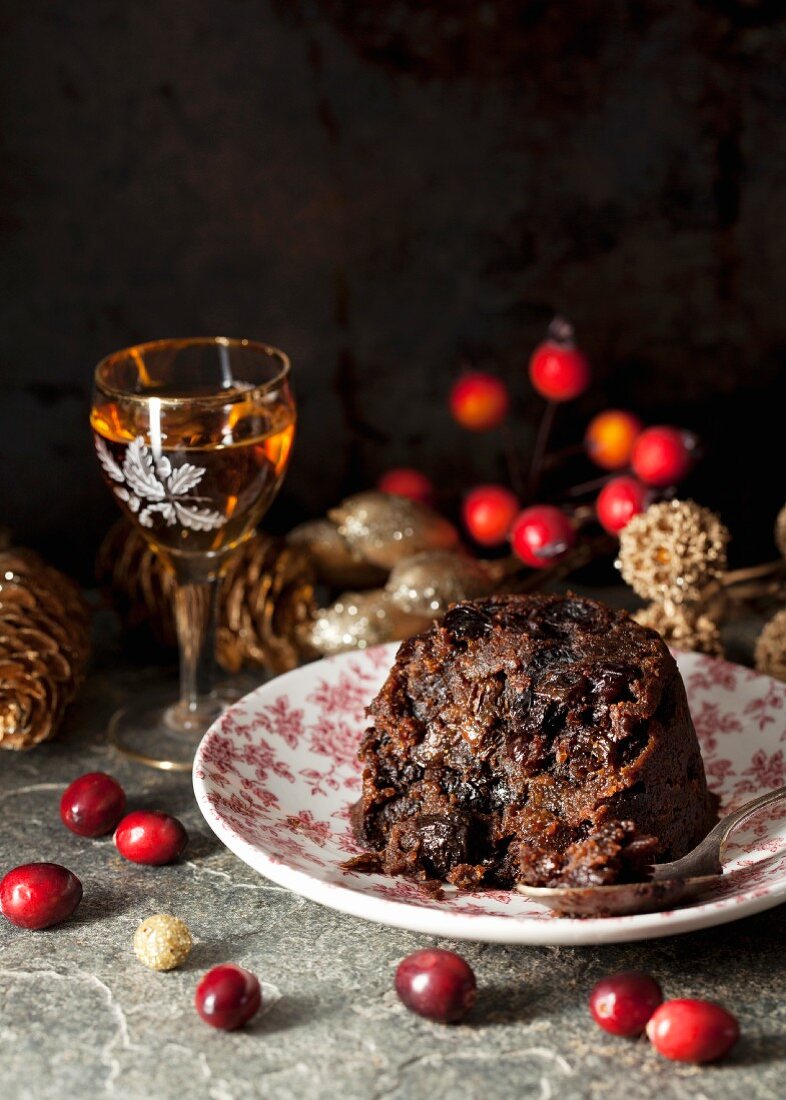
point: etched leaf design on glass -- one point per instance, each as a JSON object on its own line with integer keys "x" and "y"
{"x": 184, "y": 478}
{"x": 160, "y": 487}
{"x": 111, "y": 468}
{"x": 140, "y": 472}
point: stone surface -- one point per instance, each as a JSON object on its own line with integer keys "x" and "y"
{"x": 79, "y": 1016}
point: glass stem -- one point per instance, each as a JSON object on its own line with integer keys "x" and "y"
{"x": 195, "y": 606}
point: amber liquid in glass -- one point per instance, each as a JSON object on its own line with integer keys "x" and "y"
{"x": 197, "y": 483}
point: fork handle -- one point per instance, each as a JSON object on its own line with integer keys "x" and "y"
{"x": 705, "y": 859}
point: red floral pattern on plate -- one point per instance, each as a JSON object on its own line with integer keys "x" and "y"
{"x": 276, "y": 775}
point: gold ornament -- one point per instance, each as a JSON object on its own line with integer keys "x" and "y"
{"x": 683, "y": 627}
{"x": 162, "y": 942}
{"x": 780, "y": 531}
{"x": 384, "y": 529}
{"x": 770, "y": 651}
{"x": 673, "y": 551}
{"x": 266, "y": 598}
{"x": 428, "y": 583}
{"x": 44, "y": 647}
{"x": 336, "y": 564}
{"x": 361, "y": 619}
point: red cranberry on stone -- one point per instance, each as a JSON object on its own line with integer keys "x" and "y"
{"x": 692, "y": 1031}
{"x": 37, "y": 895}
{"x": 436, "y": 984}
{"x": 93, "y": 804}
{"x": 228, "y": 996}
{"x": 151, "y": 837}
{"x": 623, "y": 1003}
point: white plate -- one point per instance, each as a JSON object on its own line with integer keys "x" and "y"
{"x": 275, "y": 777}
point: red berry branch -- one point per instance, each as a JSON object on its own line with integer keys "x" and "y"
{"x": 640, "y": 464}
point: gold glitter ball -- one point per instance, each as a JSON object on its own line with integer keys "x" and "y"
{"x": 770, "y": 651}
{"x": 361, "y": 619}
{"x": 780, "y": 531}
{"x": 673, "y": 551}
{"x": 384, "y": 529}
{"x": 683, "y": 628}
{"x": 428, "y": 583}
{"x": 162, "y": 942}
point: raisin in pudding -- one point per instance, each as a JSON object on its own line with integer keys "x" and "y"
{"x": 536, "y": 739}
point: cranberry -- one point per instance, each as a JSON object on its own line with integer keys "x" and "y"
{"x": 619, "y": 501}
{"x": 36, "y": 895}
{"x": 228, "y": 996}
{"x": 479, "y": 401}
{"x": 489, "y": 511}
{"x": 692, "y": 1031}
{"x": 436, "y": 984}
{"x": 93, "y": 804}
{"x": 557, "y": 369}
{"x": 406, "y": 482}
{"x": 662, "y": 456}
{"x": 610, "y": 437}
{"x": 148, "y": 836}
{"x": 541, "y": 535}
{"x": 622, "y": 1003}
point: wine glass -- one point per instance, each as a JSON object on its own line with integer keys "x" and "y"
{"x": 193, "y": 437}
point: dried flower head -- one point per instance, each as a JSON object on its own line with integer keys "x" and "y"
{"x": 672, "y": 551}
{"x": 770, "y": 651}
{"x": 780, "y": 531}
{"x": 683, "y": 627}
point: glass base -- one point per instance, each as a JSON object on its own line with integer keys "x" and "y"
{"x": 163, "y": 733}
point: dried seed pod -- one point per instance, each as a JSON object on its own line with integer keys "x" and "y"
{"x": 673, "y": 551}
{"x": 683, "y": 627}
{"x": 770, "y": 651}
{"x": 383, "y": 529}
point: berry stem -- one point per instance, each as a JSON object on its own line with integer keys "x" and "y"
{"x": 590, "y": 486}
{"x": 539, "y": 451}
{"x": 512, "y": 460}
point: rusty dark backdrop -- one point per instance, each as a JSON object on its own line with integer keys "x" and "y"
{"x": 383, "y": 189}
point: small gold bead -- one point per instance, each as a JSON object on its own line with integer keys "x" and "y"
{"x": 162, "y": 942}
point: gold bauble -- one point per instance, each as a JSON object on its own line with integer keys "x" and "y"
{"x": 383, "y": 528}
{"x": 780, "y": 531}
{"x": 360, "y": 619}
{"x": 428, "y": 583}
{"x": 770, "y": 651}
{"x": 673, "y": 551}
{"x": 162, "y": 942}
{"x": 335, "y": 563}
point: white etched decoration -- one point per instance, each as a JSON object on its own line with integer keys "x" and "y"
{"x": 151, "y": 486}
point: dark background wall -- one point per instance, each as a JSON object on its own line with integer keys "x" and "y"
{"x": 383, "y": 189}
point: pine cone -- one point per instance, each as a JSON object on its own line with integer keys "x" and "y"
{"x": 44, "y": 647}
{"x": 266, "y": 597}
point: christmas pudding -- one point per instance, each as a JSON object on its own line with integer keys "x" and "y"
{"x": 535, "y": 739}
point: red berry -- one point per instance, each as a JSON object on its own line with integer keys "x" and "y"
{"x": 93, "y": 804}
{"x": 662, "y": 456}
{"x": 610, "y": 437}
{"x": 479, "y": 401}
{"x": 619, "y": 501}
{"x": 148, "y": 836}
{"x": 557, "y": 369}
{"x": 436, "y": 984}
{"x": 692, "y": 1031}
{"x": 36, "y": 895}
{"x": 228, "y": 996}
{"x": 622, "y": 1003}
{"x": 489, "y": 511}
{"x": 541, "y": 535}
{"x": 406, "y": 482}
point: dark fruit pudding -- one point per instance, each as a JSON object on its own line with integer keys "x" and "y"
{"x": 535, "y": 739}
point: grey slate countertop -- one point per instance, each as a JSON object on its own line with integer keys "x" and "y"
{"x": 80, "y": 1017}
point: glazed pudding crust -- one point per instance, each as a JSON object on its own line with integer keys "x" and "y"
{"x": 536, "y": 739}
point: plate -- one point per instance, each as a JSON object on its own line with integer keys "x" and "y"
{"x": 276, "y": 775}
